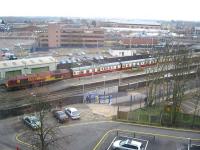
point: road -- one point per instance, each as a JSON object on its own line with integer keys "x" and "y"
{"x": 86, "y": 136}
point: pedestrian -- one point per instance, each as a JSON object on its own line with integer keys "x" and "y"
{"x": 17, "y": 148}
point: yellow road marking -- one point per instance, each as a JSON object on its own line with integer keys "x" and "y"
{"x": 125, "y": 123}
{"x": 103, "y": 138}
{"x": 20, "y": 141}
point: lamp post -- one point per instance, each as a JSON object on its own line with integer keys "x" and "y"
{"x": 119, "y": 73}
{"x": 119, "y": 78}
{"x": 92, "y": 70}
{"x": 83, "y": 91}
{"x": 34, "y": 98}
{"x": 104, "y": 83}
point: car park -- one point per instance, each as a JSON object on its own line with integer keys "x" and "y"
{"x": 127, "y": 144}
{"x": 32, "y": 121}
{"x": 73, "y": 113}
{"x": 60, "y": 116}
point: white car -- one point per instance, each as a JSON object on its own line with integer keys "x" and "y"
{"x": 127, "y": 145}
{"x": 72, "y": 113}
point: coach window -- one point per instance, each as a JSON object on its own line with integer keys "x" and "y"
{"x": 90, "y": 70}
{"x": 84, "y": 71}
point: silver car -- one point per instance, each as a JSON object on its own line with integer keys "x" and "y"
{"x": 127, "y": 145}
{"x": 72, "y": 113}
{"x": 32, "y": 121}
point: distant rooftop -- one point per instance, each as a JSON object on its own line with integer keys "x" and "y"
{"x": 144, "y": 22}
{"x": 26, "y": 61}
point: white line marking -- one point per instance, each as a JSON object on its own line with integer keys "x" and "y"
{"x": 111, "y": 143}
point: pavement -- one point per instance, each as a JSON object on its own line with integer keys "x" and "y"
{"x": 109, "y": 111}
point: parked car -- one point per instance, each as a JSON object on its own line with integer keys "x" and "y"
{"x": 127, "y": 144}
{"x": 60, "y": 116}
{"x": 12, "y": 57}
{"x": 73, "y": 113}
{"x": 32, "y": 121}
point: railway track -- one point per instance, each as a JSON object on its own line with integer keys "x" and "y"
{"x": 17, "y": 98}
{"x": 67, "y": 92}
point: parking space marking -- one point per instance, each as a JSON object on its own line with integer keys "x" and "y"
{"x": 140, "y": 140}
{"x": 111, "y": 143}
{"x": 161, "y": 135}
{"x": 128, "y": 131}
{"x": 129, "y": 138}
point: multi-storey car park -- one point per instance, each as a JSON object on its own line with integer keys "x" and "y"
{"x": 58, "y": 35}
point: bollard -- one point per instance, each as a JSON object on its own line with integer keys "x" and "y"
{"x": 189, "y": 143}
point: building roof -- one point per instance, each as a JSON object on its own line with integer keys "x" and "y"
{"x": 26, "y": 62}
{"x": 137, "y": 22}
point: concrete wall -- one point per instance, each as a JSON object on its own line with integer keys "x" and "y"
{"x": 53, "y": 35}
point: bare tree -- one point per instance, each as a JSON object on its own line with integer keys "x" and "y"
{"x": 170, "y": 74}
{"x": 46, "y": 136}
{"x": 196, "y": 97}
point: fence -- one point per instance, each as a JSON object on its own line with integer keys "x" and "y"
{"x": 163, "y": 119}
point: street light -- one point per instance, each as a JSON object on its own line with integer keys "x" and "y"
{"x": 34, "y": 98}
{"x": 92, "y": 70}
{"x": 119, "y": 73}
{"x": 104, "y": 83}
{"x": 83, "y": 92}
{"x": 119, "y": 78}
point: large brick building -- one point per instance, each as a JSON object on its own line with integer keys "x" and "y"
{"x": 58, "y": 35}
{"x": 139, "y": 42}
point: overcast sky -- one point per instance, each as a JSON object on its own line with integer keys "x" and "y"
{"x": 131, "y": 9}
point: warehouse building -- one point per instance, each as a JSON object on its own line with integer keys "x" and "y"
{"x": 59, "y": 35}
{"x": 139, "y": 24}
{"x": 122, "y": 52}
{"x": 136, "y": 42}
{"x": 11, "y": 68}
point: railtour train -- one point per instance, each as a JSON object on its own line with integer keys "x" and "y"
{"x": 66, "y": 71}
